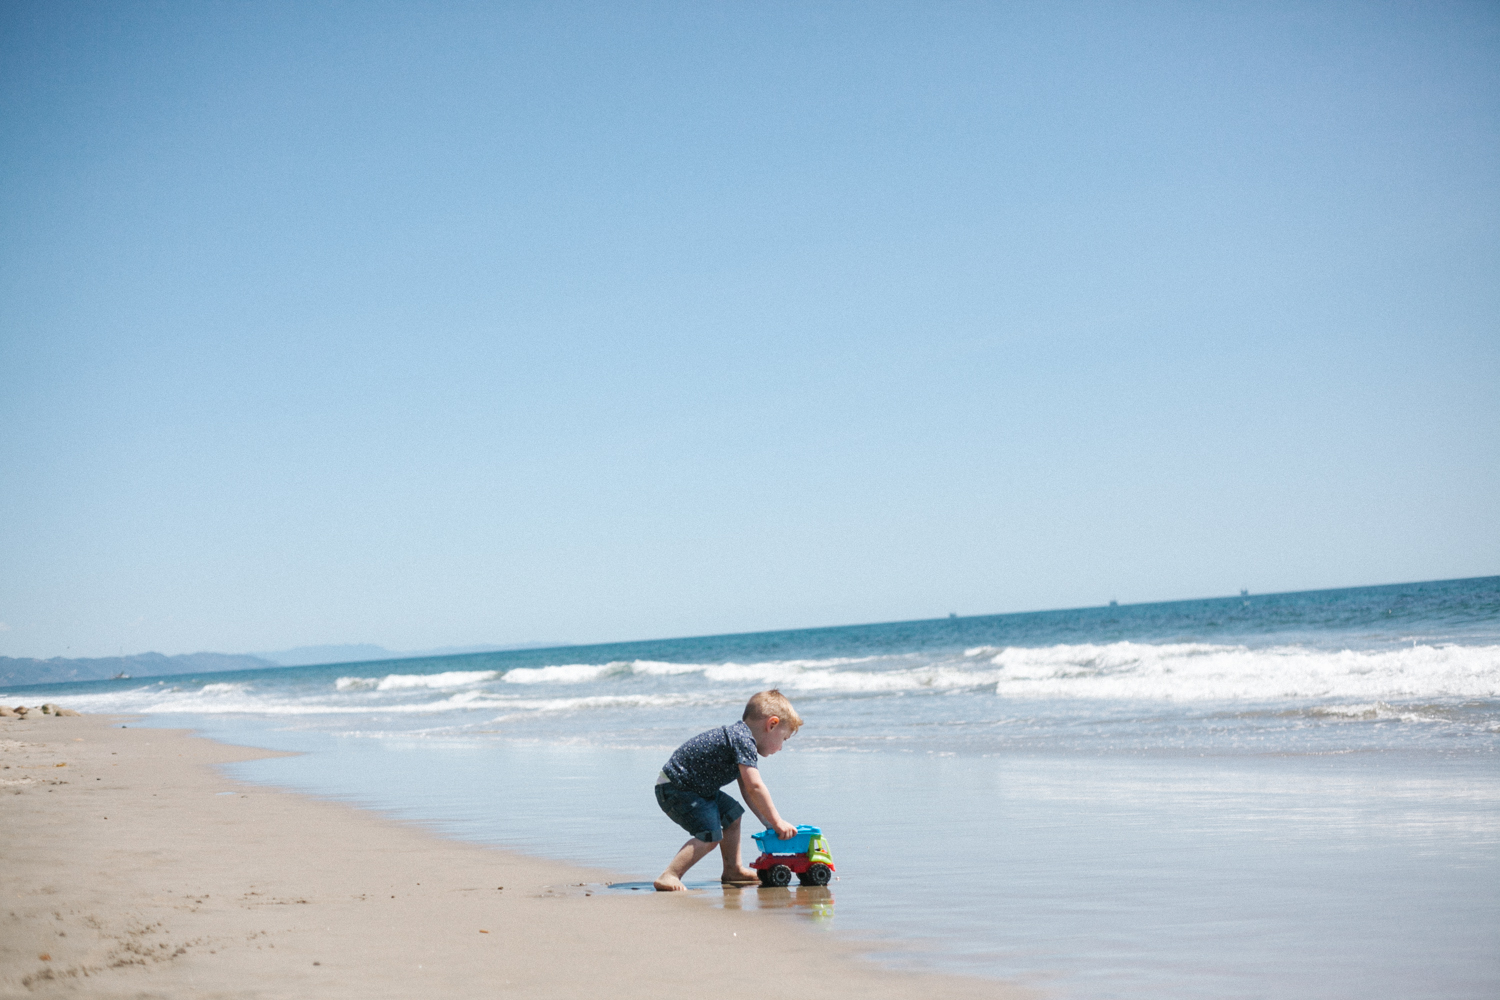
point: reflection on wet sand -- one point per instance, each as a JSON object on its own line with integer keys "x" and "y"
{"x": 813, "y": 901}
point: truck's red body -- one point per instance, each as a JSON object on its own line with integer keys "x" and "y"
{"x": 812, "y": 865}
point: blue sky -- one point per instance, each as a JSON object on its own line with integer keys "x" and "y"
{"x": 436, "y": 324}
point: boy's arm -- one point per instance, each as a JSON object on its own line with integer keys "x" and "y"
{"x": 758, "y": 798}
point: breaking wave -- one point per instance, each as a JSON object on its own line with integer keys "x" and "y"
{"x": 397, "y": 682}
{"x": 1121, "y": 670}
{"x": 1202, "y": 672}
{"x": 1346, "y": 682}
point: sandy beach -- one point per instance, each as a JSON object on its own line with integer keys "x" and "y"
{"x": 132, "y": 867}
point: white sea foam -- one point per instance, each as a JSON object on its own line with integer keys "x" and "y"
{"x": 597, "y": 701}
{"x": 451, "y": 679}
{"x": 568, "y": 673}
{"x": 177, "y": 702}
{"x": 654, "y": 668}
{"x": 1202, "y": 672}
{"x": 1112, "y": 671}
{"x": 1124, "y": 671}
{"x": 583, "y": 673}
{"x": 399, "y": 682}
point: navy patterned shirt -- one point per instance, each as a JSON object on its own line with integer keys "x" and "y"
{"x": 711, "y": 760}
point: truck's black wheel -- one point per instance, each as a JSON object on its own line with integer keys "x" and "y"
{"x": 817, "y": 874}
{"x": 765, "y": 877}
{"x": 779, "y": 875}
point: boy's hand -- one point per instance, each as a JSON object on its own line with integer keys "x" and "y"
{"x": 785, "y": 830}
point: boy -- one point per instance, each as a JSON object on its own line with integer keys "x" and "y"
{"x": 687, "y": 789}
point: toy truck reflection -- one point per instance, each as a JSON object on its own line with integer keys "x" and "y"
{"x": 804, "y": 855}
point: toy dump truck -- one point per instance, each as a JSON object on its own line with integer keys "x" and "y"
{"x": 804, "y": 855}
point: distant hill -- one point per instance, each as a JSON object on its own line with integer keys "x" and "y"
{"x": 24, "y": 670}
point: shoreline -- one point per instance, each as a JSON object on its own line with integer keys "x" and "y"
{"x": 134, "y": 866}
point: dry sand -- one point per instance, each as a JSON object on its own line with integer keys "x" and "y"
{"x": 131, "y": 867}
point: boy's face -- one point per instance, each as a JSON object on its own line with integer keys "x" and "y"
{"x": 770, "y": 734}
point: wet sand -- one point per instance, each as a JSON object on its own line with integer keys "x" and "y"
{"x": 130, "y": 866}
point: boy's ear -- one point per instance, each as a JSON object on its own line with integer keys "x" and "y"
{"x": 772, "y": 722}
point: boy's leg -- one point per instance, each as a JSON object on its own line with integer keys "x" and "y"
{"x": 692, "y": 852}
{"x": 729, "y": 847}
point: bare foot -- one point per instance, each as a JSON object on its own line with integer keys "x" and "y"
{"x": 740, "y": 876}
{"x": 669, "y": 883}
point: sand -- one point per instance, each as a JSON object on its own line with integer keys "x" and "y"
{"x": 131, "y": 867}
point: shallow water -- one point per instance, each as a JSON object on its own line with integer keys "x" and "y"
{"x": 1290, "y": 796}
{"x": 1129, "y": 876}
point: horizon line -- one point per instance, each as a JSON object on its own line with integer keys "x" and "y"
{"x": 723, "y": 635}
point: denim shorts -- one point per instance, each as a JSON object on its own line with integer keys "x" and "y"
{"x": 703, "y": 818}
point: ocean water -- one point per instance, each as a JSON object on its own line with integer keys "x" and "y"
{"x": 1288, "y": 795}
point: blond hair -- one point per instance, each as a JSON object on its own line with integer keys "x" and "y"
{"x": 769, "y": 703}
